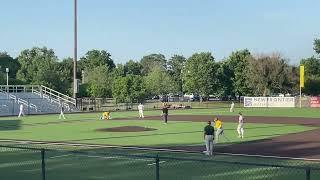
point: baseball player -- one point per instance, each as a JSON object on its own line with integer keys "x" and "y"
{"x": 240, "y": 129}
{"x": 208, "y": 138}
{"x": 21, "y": 113}
{"x": 165, "y": 114}
{"x": 141, "y": 108}
{"x": 219, "y": 128}
{"x": 106, "y": 115}
{"x": 232, "y": 107}
{"x": 61, "y": 112}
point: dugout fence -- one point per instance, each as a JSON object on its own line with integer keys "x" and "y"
{"x": 46, "y": 164}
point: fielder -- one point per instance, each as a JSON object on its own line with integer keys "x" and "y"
{"x": 232, "y": 107}
{"x": 106, "y": 115}
{"x": 219, "y": 128}
{"x": 21, "y": 113}
{"x": 240, "y": 129}
{"x": 208, "y": 137}
{"x": 141, "y": 108}
{"x": 61, "y": 112}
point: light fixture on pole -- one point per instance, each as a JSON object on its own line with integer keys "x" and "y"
{"x": 7, "y": 71}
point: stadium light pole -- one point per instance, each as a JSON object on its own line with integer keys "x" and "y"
{"x": 7, "y": 71}
{"x": 75, "y": 83}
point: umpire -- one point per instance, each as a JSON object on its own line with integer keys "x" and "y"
{"x": 165, "y": 113}
{"x": 209, "y": 137}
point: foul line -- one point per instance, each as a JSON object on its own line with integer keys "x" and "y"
{"x": 152, "y": 149}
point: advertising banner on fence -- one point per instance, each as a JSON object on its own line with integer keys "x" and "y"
{"x": 315, "y": 102}
{"x": 255, "y": 102}
{"x": 269, "y": 102}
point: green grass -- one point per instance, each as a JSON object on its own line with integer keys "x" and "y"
{"x": 175, "y": 133}
{"x": 26, "y": 164}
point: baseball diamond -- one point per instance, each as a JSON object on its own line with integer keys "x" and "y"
{"x": 270, "y": 140}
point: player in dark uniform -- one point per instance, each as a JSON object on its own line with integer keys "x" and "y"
{"x": 208, "y": 138}
{"x": 165, "y": 113}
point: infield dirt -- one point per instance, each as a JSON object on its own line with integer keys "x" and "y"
{"x": 300, "y": 145}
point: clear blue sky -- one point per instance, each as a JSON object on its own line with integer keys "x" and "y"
{"x": 129, "y": 29}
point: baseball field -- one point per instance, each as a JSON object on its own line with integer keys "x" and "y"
{"x": 126, "y": 146}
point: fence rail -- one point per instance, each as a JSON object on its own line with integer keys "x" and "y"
{"x": 42, "y": 164}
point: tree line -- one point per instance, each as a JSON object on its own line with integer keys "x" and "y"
{"x": 240, "y": 74}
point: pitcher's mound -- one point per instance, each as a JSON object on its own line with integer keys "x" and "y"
{"x": 126, "y": 129}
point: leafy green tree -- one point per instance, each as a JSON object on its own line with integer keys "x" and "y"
{"x": 132, "y": 67}
{"x": 312, "y": 67}
{"x": 312, "y": 87}
{"x": 99, "y": 81}
{"x": 312, "y": 72}
{"x": 159, "y": 82}
{"x": 119, "y": 71}
{"x": 175, "y": 68}
{"x": 268, "y": 75}
{"x": 225, "y": 76}
{"x": 199, "y": 74}
{"x": 39, "y": 66}
{"x": 6, "y": 61}
{"x": 65, "y": 70}
{"x": 129, "y": 88}
{"x": 3, "y": 78}
{"x": 150, "y": 61}
{"x": 316, "y": 45}
{"x": 96, "y": 58}
{"x": 238, "y": 66}
{"x": 312, "y": 75}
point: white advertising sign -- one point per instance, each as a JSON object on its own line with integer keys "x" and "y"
{"x": 269, "y": 102}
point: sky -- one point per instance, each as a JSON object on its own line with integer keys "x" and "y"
{"x": 131, "y": 29}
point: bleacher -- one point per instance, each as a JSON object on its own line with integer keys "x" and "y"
{"x": 36, "y": 100}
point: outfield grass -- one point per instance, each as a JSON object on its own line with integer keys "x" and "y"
{"x": 38, "y": 128}
{"x": 276, "y": 112}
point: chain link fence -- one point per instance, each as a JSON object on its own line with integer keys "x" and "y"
{"x": 48, "y": 164}
{"x": 109, "y": 104}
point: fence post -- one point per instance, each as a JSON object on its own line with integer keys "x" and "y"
{"x": 43, "y": 164}
{"x": 308, "y": 173}
{"x": 157, "y": 168}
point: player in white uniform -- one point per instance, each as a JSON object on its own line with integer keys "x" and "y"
{"x": 21, "y": 113}
{"x": 232, "y": 107}
{"x": 141, "y": 108}
{"x": 240, "y": 129}
{"x": 62, "y": 112}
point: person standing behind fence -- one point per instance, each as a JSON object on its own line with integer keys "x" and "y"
{"x": 208, "y": 138}
{"x": 165, "y": 114}
{"x": 141, "y": 108}
{"x": 240, "y": 129}
{"x": 21, "y": 113}
{"x": 62, "y": 112}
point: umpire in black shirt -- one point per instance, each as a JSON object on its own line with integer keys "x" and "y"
{"x": 208, "y": 138}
